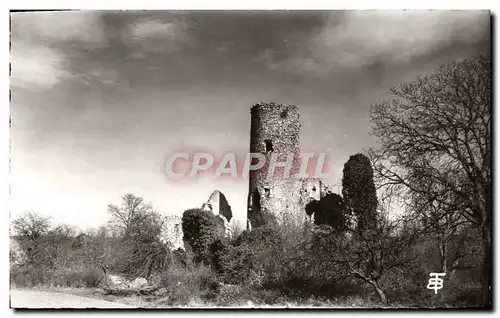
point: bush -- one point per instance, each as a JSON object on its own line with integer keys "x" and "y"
{"x": 201, "y": 229}
{"x": 219, "y": 250}
{"x": 183, "y": 286}
{"x": 29, "y": 277}
{"x": 138, "y": 259}
{"x": 75, "y": 279}
{"x": 329, "y": 210}
{"x": 249, "y": 258}
{"x": 92, "y": 277}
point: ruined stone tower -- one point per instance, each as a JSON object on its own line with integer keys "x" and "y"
{"x": 218, "y": 205}
{"x": 274, "y": 129}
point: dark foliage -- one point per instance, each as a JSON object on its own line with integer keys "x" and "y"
{"x": 358, "y": 190}
{"x": 249, "y": 258}
{"x": 329, "y": 210}
{"x": 201, "y": 229}
{"x": 218, "y": 251}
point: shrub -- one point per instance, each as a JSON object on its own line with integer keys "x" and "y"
{"x": 251, "y": 258}
{"x": 329, "y": 210}
{"x": 92, "y": 277}
{"x": 142, "y": 259}
{"x": 182, "y": 286}
{"x": 75, "y": 279}
{"x": 201, "y": 229}
{"x": 219, "y": 249}
{"x": 29, "y": 277}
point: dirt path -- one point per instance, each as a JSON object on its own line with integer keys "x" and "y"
{"x": 22, "y": 298}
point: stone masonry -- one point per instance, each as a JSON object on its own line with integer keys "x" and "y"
{"x": 275, "y": 129}
{"x": 218, "y": 205}
{"x": 172, "y": 232}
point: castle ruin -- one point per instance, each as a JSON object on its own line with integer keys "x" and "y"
{"x": 275, "y": 129}
{"x": 217, "y": 204}
{"x": 172, "y": 233}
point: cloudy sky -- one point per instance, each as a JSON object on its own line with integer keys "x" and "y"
{"x": 101, "y": 99}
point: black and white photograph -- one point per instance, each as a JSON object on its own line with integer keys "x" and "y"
{"x": 251, "y": 159}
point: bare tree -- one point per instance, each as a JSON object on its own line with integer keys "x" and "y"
{"x": 31, "y": 229}
{"x": 31, "y": 225}
{"x": 450, "y": 229}
{"x": 142, "y": 253}
{"x": 435, "y": 142}
{"x": 58, "y": 242}
{"x": 237, "y": 227}
{"x": 130, "y": 211}
{"x": 371, "y": 252}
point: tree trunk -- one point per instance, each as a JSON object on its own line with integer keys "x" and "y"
{"x": 443, "y": 253}
{"x": 150, "y": 269}
{"x": 380, "y": 293}
{"x": 454, "y": 269}
{"x": 375, "y": 285}
{"x": 486, "y": 238}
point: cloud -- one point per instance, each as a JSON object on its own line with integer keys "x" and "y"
{"x": 50, "y": 47}
{"x": 38, "y": 58}
{"x": 152, "y": 29}
{"x": 103, "y": 76}
{"x": 155, "y": 36}
{"x": 36, "y": 65}
{"x": 50, "y": 27}
{"x": 361, "y": 38}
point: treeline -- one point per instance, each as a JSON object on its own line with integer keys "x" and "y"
{"x": 129, "y": 245}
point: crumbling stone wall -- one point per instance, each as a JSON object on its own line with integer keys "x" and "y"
{"x": 218, "y": 205}
{"x": 172, "y": 232}
{"x": 313, "y": 190}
